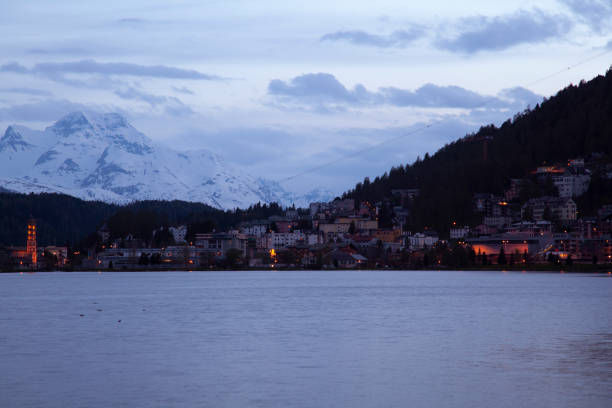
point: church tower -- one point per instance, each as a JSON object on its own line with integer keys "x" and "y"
{"x": 31, "y": 243}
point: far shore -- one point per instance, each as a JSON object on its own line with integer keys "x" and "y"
{"x": 544, "y": 268}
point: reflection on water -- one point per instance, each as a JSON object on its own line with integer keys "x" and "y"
{"x": 588, "y": 356}
{"x": 305, "y": 339}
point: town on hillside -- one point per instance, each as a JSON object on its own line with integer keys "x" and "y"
{"x": 349, "y": 234}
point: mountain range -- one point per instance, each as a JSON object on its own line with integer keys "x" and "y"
{"x": 103, "y": 157}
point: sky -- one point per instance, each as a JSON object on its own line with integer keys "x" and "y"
{"x": 313, "y": 94}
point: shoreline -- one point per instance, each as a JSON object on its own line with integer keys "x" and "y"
{"x": 544, "y": 268}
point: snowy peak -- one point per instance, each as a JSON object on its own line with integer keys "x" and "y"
{"x": 113, "y": 121}
{"x": 12, "y": 139}
{"x": 74, "y": 122}
{"x": 103, "y": 157}
{"x": 105, "y": 129}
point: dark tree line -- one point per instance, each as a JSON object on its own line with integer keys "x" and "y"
{"x": 60, "y": 218}
{"x": 64, "y": 219}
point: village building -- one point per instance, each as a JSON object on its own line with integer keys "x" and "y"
{"x": 422, "y": 240}
{"x": 511, "y": 243}
{"x": 459, "y": 232}
{"x": 557, "y": 208}
{"x": 218, "y": 243}
{"x": 346, "y": 260}
{"x": 178, "y": 233}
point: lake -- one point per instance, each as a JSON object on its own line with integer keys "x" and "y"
{"x": 306, "y": 339}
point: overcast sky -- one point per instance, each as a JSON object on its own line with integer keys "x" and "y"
{"x": 281, "y": 87}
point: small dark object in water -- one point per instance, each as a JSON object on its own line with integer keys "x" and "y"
{"x": 99, "y": 310}
{"x": 119, "y": 321}
{"x": 81, "y": 315}
{"x": 144, "y": 310}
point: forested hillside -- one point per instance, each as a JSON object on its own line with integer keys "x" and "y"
{"x": 60, "y": 218}
{"x": 64, "y": 219}
{"x": 577, "y": 122}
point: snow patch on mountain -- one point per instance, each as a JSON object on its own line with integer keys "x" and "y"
{"x": 103, "y": 157}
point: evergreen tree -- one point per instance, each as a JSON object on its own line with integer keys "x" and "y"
{"x": 501, "y": 258}
{"x": 471, "y": 256}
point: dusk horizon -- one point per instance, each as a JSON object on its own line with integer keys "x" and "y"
{"x": 305, "y": 205}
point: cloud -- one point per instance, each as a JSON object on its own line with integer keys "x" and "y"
{"x": 480, "y": 33}
{"x": 502, "y": 32}
{"x": 14, "y": 67}
{"x": 434, "y": 96}
{"x": 597, "y": 14}
{"x": 26, "y": 91}
{"x": 319, "y": 88}
{"x": 399, "y": 38}
{"x": 183, "y": 90}
{"x": 120, "y": 68}
{"x": 135, "y": 94}
{"x": 252, "y": 145}
{"x": 521, "y": 96}
{"x": 60, "y": 50}
{"x": 323, "y": 93}
{"x": 43, "y": 111}
{"x": 57, "y": 69}
{"x": 132, "y": 20}
{"x": 177, "y": 108}
{"x": 171, "y": 105}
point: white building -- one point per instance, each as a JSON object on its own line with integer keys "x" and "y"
{"x": 257, "y": 230}
{"x": 285, "y": 239}
{"x": 421, "y": 240}
{"x": 459, "y": 232}
{"x": 571, "y": 185}
{"x": 497, "y": 221}
{"x": 178, "y": 233}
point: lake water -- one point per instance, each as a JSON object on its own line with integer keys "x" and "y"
{"x": 305, "y": 339}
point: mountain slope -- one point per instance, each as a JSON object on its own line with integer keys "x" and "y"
{"x": 102, "y": 157}
{"x": 577, "y": 122}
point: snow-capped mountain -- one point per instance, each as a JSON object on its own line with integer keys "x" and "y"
{"x": 102, "y": 157}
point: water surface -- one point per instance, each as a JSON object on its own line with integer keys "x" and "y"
{"x": 305, "y": 339}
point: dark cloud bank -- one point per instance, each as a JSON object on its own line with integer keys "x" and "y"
{"x": 475, "y": 34}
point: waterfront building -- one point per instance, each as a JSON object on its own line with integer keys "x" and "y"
{"x": 512, "y": 243}
{"x": 218, "y": 243}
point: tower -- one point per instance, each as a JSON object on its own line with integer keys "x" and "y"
{"x": 31, "y": 243}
